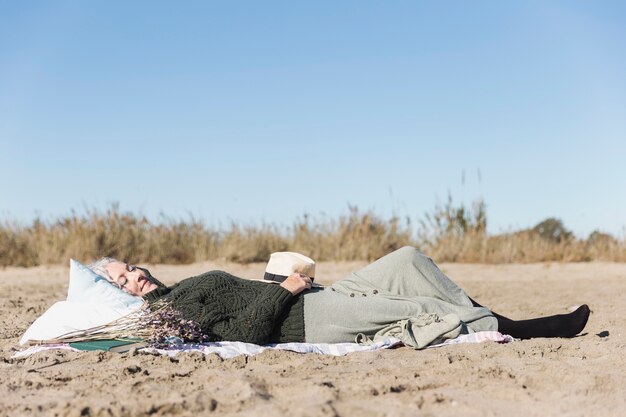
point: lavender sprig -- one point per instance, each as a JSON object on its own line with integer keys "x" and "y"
{"x": 168, "y": 326}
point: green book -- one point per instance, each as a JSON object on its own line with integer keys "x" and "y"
{"x": 110, "y": 345}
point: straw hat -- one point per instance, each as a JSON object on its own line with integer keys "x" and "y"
{"x": 283, "y": 264}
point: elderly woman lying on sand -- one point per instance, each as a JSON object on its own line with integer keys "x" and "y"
{"x": 403, "y": 294}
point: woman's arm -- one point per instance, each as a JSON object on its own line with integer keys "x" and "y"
{"x": 255, "y": 323}
{"x": 225, "y": 311}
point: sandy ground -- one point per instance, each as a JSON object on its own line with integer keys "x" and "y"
{"x": 583, "y": 376}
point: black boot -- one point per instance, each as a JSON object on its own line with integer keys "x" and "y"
{"x": 561, "y": 325}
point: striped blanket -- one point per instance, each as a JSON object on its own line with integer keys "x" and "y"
{"x": 231, "y": 349}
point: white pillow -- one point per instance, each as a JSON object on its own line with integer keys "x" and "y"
{"x": 91, "y": 301}
{"x": 68, "y": 316}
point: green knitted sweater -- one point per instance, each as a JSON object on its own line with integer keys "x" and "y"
{"x": 235, "y": 309}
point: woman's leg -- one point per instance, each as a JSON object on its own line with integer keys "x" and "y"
{"x": 560, "y": 325}
{"x": 409, "y": 273}
{"x": 406, "y": 272}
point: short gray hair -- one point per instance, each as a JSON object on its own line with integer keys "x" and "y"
{"x": 99, "y": 267}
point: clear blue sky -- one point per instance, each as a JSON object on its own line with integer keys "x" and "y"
{"x": 263, "y": 111}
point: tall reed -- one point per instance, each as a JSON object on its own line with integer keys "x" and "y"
{"x": 450, "y": 232}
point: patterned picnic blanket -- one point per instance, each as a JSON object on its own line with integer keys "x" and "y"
{"x": 231, "y": 349}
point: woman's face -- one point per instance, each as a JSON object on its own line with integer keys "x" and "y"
{"x": 130, "y": 278}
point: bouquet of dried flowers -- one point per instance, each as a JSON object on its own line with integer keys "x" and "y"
{"x": 158, "y": 325}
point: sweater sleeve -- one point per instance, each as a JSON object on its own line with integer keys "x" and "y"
{"x": 253, "y": 323}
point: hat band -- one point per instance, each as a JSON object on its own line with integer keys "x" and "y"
{"x": 277, "y": 278}
{"x": 274, "y": 277}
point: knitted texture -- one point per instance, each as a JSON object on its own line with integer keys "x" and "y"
{"x": 235, "y": 309}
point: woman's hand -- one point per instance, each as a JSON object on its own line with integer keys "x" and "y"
{"x": 296, "y": 283}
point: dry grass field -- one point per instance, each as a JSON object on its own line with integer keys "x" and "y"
{"x": 449, "y": 233}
